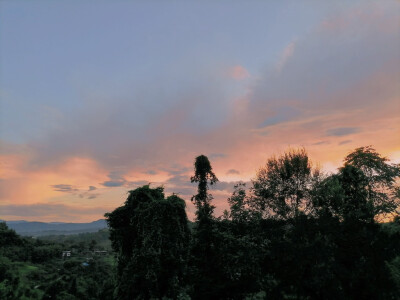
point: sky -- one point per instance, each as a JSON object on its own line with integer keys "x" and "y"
{"x": 100, "y": 97}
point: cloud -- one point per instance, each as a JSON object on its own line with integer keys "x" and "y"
{"x": 116, "y": 180}
{"x": 282, "y": 114}
{"x": 342, "y": 131}
{"x": 217, "y": 155}
{"x": 151, "y": 172}
{"x": 238, "y": 72}
{"x": 112, "y": 183}
{"x": 320, "y": 143}
{"x": 233, "y": 172}
{"x": 332, "y": 82}
{"x": 65, "y": 188}
{"x": 345, "y": 142}
{"x": 92, "y": 188}
{"x": 286, "y": 54}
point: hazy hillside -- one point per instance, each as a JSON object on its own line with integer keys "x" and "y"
{"x": 54, "y": 228}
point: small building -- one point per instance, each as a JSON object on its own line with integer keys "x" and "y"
{"x": 100, "y": 252}
{"x": 66, "y": 254}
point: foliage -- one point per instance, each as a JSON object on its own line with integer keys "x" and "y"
{"x": 282, "y": 188}
{"x": 34, "y": 269}
{"x": 150, "y": 236}
{"x": 203, "y": 175}
{"x": 380, "y": 176}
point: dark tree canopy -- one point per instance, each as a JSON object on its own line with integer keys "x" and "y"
{"x": 150, "y": 236}
{"x": 282, "y": 188}
{"x": 380, "y": 176}
{"x": 364, "y": 188}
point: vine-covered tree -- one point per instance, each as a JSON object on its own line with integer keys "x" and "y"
{"x": 205, "y": 260}
{"x": 203, "y": 175}
{"x": 150, "y": 236}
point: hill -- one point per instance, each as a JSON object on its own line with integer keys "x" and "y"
{"x": 27, "y": 228}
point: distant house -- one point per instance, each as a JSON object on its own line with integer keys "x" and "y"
{"x": 66, "y": 254}
{"x": 100, "y": 252}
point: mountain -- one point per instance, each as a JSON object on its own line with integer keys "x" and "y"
{"x": 54, "y": 228}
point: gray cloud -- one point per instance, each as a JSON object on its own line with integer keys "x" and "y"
{"x": 217, "y": 155}
{"x": 282, "y": 114}
{"x": 233, "y": 172}
{"x": 66, "y": 188}
{"x": 116, "y": 180}
{"x": 177, "y": 169}
{"x": 325, "y": 77}
{"x": 320, "y": 143}
{"x": 111, "y": 183}
{"x": 92, "y": 188}
{"x": 345, "y": 142}
{"x": 342, "y": 131}
{"x": 151, "y": 172}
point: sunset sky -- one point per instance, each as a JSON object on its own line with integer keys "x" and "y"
{"x": 100, "y": 97}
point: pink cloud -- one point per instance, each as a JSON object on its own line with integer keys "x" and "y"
{"x": 238, "y": 72}
{"x": 286, "y": 54}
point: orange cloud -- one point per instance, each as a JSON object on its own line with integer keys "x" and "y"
{"x": 23, "y": 185}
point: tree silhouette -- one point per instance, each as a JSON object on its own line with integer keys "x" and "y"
{"x": 203, "y": 175}
{"x": 282, "y": 188}
{"x": 150, "y": 236}
{"x": 382, "y": 191}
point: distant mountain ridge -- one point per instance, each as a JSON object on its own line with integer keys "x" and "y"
{"x": 54, "y": 228}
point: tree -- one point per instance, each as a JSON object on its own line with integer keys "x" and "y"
{"x": 364, "y": 188}
{"x": 282, "y": 188}
{"x": 205, "y": 259}
{"x": 203, "y": 174}
{"x": 382, "y": 191}
{"x": 150, "y": 236}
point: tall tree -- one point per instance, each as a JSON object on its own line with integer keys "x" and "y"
{"x": 206, "y": 271}
{"x": 203, "y": 175}
{"x": 150, "y": 236}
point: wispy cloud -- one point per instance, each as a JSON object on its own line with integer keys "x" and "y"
{"x": 286, "y": 54}
{"x": 342, "y": 131}
{"x": 344, "y": 142}
{"x": 233, "y": 172}
{"x": 65, "y": 188}
{"x": 217, "y": 155}
{"x": 282, "y": 114}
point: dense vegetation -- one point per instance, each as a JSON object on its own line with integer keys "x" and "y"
{"x": 295, "y": 233}
{"x": 35, "y": 269}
